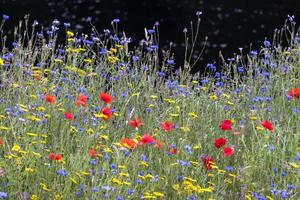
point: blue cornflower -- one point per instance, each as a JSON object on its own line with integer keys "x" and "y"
{"x": 179, "y": 177}
{"x": 290, "y": 187}
{"x": 258, "y": 196}
{"x": 266, "y": 74}
{"x": 61, "y": 172}
{"x": 135, "y": 58}
{"x": 116, "y": 20}
{"x": 145, "y": 67}
{"x": 148, "y": 110}
{"x": 170, "y": 62}
{"x": 106, "y": 187}
{"x": 106, "y": 156}
{"x": 291, "y": 18}
{"x": 241, "y": 69}
{"x": 219, "y": 84}
{"x": 285, "y": 68}
{"x": 5, "y": 17}
{"x": 141, "y": 173}
{"x": 192, "y": 197}
{"x": 139, "y": 181}
{"x": 130, "y": 192}
{"x": 3, "y": 195}
{"x": 94, "y": 189}
{"x": 88, "y": 42}
{"x": 275, "y": 169}
{"x": 183, "y": 163}
{"x": 204, "y": 81}
{"x": 211, "y": 66}
{"x": 188, "y": 149}
{"x": 151, "y": 31}
{"x": 217, "y": 74}
{"x": 253, "y": 53}
{"x": 284, "y": 194}
{"x": 93, "y": 162}
{"x": 229, "y": 168}
{"x": 119, "y": 198}
{"x": 271, "y": 147}
{"x": 161, "y": 74}
{"x": 113, "y": 166}
{"x": 67, "y": 25}
{"x": 106, "y": 31}
{"x": 297, "y": 39}
{"x": 297, "y": 158}
{"x": 267, "y": 43}
{"x": 144, "y": 158}
{"x": 198, "y": 13}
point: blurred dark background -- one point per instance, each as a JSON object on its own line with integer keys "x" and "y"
{"x": 229, "y": 24}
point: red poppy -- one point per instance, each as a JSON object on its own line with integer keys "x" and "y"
{"x": 69, "y": 116}
{"x": 135, "y": 123}
{"x": 225, "y": 125}
{"x": 173, "y": 151}
{"x": 49, "y": 98}
{"x": 107, "y": 113}
{"x": 38, "y": 77}
{"x": 146, "y": 139}
{"x": 227, "y": 151}
{"x": 105, "y": 97}
{"x": 58, "y": 157}
{"x": 267, "y": 125}
{"x": 92, "y": 153}
{"x": 51, "y": 156}
{"x": 81, "y": 100}
{"x": 208, "y": 162}
{"x": 128, "y": 143}
{"x": 1, "y": 141}
{"x": 295, "y": 92}
{"x": 219, "y": 142}
{"x": 167, "y": 126}
{"x": 158, "y": 144}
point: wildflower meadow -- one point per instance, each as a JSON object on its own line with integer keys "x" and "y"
{"x": 94, "y": 117}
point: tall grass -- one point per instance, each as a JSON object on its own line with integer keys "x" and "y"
{"x": 56, "y": 142}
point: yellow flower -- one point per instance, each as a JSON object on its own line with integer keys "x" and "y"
{"x": 213, "y": 97}
{"x": 1, "y": 62}
{"x": 117, "y": 181}
{"x": 158, "y": 194}
{"x": 73, "y": 180}
{"x": 70, "y": 34}
{"x": 192, "y": 115}
{"x": 44, "y": 187}
{"x": 29, "y": 170}
{"x": 34, "y": 197}
{"x": 16, "y": 148}
{"x": 4, "y": 128}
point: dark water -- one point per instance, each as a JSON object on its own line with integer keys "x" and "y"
{"x": 229, "y": 24}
